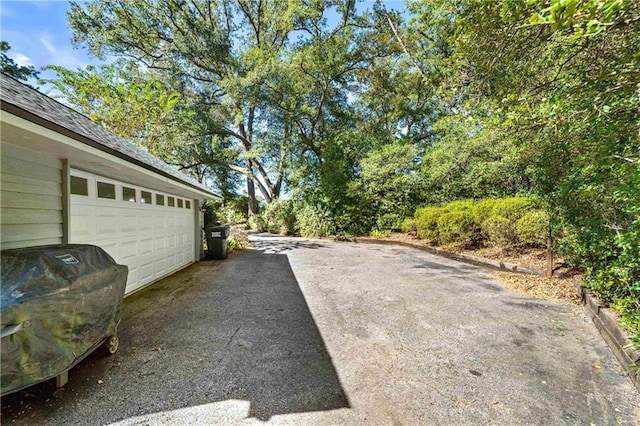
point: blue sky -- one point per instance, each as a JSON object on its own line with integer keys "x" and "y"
{"x": 39, "y": 33}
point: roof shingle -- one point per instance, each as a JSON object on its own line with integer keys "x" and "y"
{"x": 32, "y": 101}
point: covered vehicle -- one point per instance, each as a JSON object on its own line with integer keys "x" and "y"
{"x": 57, "y": 304}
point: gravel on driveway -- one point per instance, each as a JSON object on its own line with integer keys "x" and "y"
{"x": 300, "y": 331}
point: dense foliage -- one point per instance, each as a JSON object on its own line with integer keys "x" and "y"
{"x": 363, "y": 116}
{"x": 560, "y": 81}
{"x": 502, "y": 222}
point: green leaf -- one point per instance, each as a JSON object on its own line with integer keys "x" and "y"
{"x": 536, "y": 19}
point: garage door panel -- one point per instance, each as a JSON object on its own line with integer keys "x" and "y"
{"x": 158, "y": 221}
{"x": 129, "y": 249}
{"x": 146, "y": 272}
{"x": 129, "y": 222}
{"x": 159, "y": 268}
{"x": 171, "y": 223}
{"x": 80, "y": 208}
{"x": 146, "y": 223}
{"x": 152, "y": 240}
{"x": 81, "y": 225}
{"x": 146, "y": 246}
{"x": 106, "y": 224}
{"x": 132, "y": 277}
{"x": 159, "y": 243}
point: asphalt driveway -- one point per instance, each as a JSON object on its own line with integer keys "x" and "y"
{"x": 302, "y": 331}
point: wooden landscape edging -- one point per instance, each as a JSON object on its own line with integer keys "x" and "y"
{"x": 616, "y": 337}
{"x": 603, "y": 318}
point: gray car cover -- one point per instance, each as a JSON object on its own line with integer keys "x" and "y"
{"x": 58, "y": 303}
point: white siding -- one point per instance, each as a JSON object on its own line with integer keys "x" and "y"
{"x": 30, "y": 198}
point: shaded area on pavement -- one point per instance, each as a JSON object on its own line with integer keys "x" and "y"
{"x": 276, "y": 244}
{"x": 239, "y": 329}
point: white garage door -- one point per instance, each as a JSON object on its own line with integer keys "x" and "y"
{"x": 149, "y": 231}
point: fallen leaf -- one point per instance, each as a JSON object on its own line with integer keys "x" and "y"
{"x": 542, "y": 287}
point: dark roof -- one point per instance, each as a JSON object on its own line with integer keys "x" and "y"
{"x": 52, "y": 114}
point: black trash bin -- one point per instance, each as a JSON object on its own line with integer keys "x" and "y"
{"x": 58, "y": 304}
{"x": 217, "y": 241}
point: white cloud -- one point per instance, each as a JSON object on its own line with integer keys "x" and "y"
{"x": 21, "y": 60}
{"x": 39, "y": 35}
{"x": 46, "y": 42}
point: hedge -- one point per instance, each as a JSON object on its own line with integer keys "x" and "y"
{"x": 504, "y": 222}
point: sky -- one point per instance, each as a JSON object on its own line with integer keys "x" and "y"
{"x": 39, "y": 34}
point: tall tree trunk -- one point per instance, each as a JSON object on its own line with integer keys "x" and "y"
{"x": 251, "y": 188}
{"x": 251, "y": 195}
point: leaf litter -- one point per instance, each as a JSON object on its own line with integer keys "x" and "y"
{"x": 554, "y": 289}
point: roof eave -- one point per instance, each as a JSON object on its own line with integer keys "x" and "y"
{"x": 24, "y": 114}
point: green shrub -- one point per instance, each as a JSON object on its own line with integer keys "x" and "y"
{"x": 257, "y": 223}
{"x": 388, "y": 222}
{"x": 501, "y": 226}
{"x": 427, "y": 222}
{"x": 500, "y": 231}
{"x": 379, "y": 234}
{"x": 629, "y": 309}
{"x": 513, "y": 208}
{"x": 456, "y": 227}
{"x": 238, "y": 240}
{"x": 469, "y": 232}
{"x": 314, "y": 221}
{"x": 408, "y": 225}
{"x": 612, "y": 263}
{"x": 533, "y": 228}
{"x": 279, "y": 217}
{"x": 460, "y": 205}
{"x": 482, "y": 210}
{"x": 452, "y": 223}
{"x": 470, "y": 224}
{"x": 228, "y": 213}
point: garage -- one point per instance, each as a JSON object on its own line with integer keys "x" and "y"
{"x": 65, "y": 179}
{"x": 149, "y": 231}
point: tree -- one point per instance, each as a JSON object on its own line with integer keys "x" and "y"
{"x": 561, "y": 81}
{"x": 388, "y": 184}
{"x": 124, "y": 100}
{"x": 224, "y": 52}
{"x": 136, "y": 105}
{"x": 9, "y": 66}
